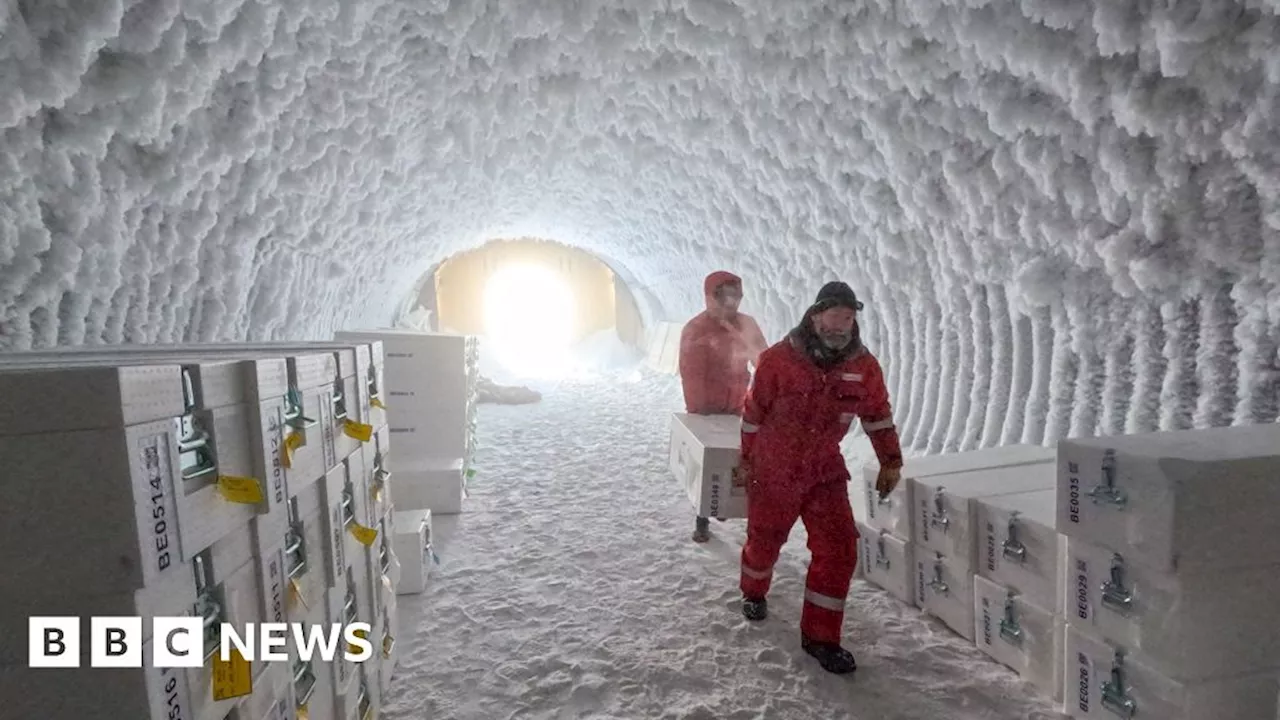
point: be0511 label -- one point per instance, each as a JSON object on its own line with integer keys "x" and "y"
{"x": 159, "y": 512}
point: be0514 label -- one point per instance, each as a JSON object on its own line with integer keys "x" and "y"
{"x": 156, "y": 522}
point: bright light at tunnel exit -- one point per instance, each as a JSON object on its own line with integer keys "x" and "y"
{"x": 529, "y": 316}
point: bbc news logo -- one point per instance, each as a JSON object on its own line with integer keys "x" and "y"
{"x": 179, "y": 642}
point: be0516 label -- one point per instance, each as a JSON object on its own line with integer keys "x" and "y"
{"x": 160, "y": 510}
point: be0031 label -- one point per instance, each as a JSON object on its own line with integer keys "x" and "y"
{"x": 160, "y": 510}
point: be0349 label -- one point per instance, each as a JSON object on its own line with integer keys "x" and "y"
{"x": 156, "y": 521}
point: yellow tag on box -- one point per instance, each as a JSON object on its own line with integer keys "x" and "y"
{"x": 365, "y": 535}
{"x": 296, "y": 594}
{"x": 352, "y": 647}
{"x": 291, "y": 443}
{"x": 232, "y": 678}
{"x": 377, "y": 403}
{"x": 244, "y": 490}
{"x": 359, "y": 431}
{"x": 303, "y": 713}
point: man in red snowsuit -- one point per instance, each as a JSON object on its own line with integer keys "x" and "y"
{"x": 807, "y": 390}
{"x": 715, "y": 348}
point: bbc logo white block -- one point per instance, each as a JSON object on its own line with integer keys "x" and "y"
{"x": 179, "y": 641}
{"x": 54, "y": 642}
{"x": 116, "y": 642}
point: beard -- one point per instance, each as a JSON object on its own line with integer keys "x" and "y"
{"x": 835, "y": 340}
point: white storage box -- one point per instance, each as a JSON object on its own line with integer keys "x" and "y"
{"x": 704, "y": 451}
{"x": 62, "y": 399}
{"x": 171, "y": 597}
{"x": 1019, "y": 635}
{"x": 888, "y": 562}
{"x": 1176, "y": 500}
{"x": 895, "y": 513}
{"x": 413, "y": 547}
{"x": 429, "y": 381}
{"x": 1100, "y": 686}
{"x": 100, "y": 502}
{"x": 272, "y": 697}
{"x": 947, "y": 507}
{"x": 435, "y": 484}
{"x": 944, "y": 589}
{"x": 91, "y": 693}
{"x": 1188, "y": 627}
{"x": 1019, "y": 546}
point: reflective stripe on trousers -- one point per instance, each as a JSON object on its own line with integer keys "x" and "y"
{"x": 885, "y": 424}
{"x": 757, "y": 574}
{"x": 826, "y": 602}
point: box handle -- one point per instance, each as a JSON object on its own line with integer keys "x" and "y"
{"x": 882, "y": 558}
{"x": 1014, "y": 550}
{"x": 937, "y": 584}
{"x": 1107, "y": 492}
{"x": 1114, "y": 593}
{"x": 940, "y": 519}
{"x": 1114, "y": 695}
{"x": 1009, "y": 628}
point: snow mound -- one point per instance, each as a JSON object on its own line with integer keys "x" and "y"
{"x": 1064, "y": 217}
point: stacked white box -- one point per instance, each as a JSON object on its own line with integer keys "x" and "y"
{"x": 946, "y": 534}
{"x": 1018, "y": 587}
{"x": 891, "y": 520}
{"x": 413, "y": 545}
{"x": 1172, "y": 563}
{"x": 147, "y": 441}
{"x": 430, "y": 384}
{"x": 703, "y": 453}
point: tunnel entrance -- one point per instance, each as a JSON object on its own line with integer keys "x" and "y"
{"x": 539, "y": 306}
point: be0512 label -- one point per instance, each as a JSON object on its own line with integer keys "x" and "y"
{"x": 156, "y": 521}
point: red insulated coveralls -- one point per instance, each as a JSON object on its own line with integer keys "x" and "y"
{"x": 796, "y": 416}
{"x": 714, "y": 354}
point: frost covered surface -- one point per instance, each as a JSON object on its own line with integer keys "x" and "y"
{"x": 569, "y": 588}
{"x": 1065, "y": 217}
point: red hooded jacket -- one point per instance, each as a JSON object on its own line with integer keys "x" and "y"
{"x": 714, "y": 353}
{"x": 798, "y": 413}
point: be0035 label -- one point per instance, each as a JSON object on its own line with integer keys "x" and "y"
{"x": 156, "y": 521}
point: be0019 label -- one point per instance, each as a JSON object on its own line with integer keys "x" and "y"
{"x": 157, "y": 522}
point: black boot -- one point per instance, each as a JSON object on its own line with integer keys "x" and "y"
{"x": 702, "y": 530}
{"x": 755, "y": 610}
{"x": 832, "y": 657}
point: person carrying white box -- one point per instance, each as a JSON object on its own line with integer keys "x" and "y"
{"x": 806, "y": 392}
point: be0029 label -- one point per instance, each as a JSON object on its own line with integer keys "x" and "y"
{"x": 156, "y": 469}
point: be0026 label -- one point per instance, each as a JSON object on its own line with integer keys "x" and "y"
{"x": 159, "y": 513}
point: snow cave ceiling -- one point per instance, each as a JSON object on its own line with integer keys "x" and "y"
{"x": 1064, "y": 216}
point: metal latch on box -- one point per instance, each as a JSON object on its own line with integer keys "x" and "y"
{"x": 304, "y": 681}
{"x": 1114, "y": 593}
{"x": 1009, "y": 628}
{"x": 384, "y": 552}
{"x": 339, "y": 398}
{"x": 372, "y": 382}
{"x": 1115, "y": 696}
{"x": 293, "y": 412}
{"x": 365, "y": 710}
{"x": 1107, "y": 491}
{"x": 196, "y": 453}
{"x": 349, "y": 607}
{"x": 295, "y": 543}
{"x": 940, "y": 519}
{"x": 882, "y": 557}
{"x": 938, "y": 585}
{"x": 1014, "y": 550}
{"x": 348, "y": 504}
{"x": 207, "y": 605}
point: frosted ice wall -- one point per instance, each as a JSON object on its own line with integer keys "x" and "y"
{"x": 1063, "y": 215}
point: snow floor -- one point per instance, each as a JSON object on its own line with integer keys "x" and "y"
{"x": 569, "y": 588}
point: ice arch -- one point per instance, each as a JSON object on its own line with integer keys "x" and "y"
{"x": 1063, "y": 215}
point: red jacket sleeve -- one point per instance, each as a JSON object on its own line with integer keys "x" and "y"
{"x": 693, "y": 369}
{"x": 877, "y": 418}
{"x": 764, "y": 387}
{"x": 755, "y": 341}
